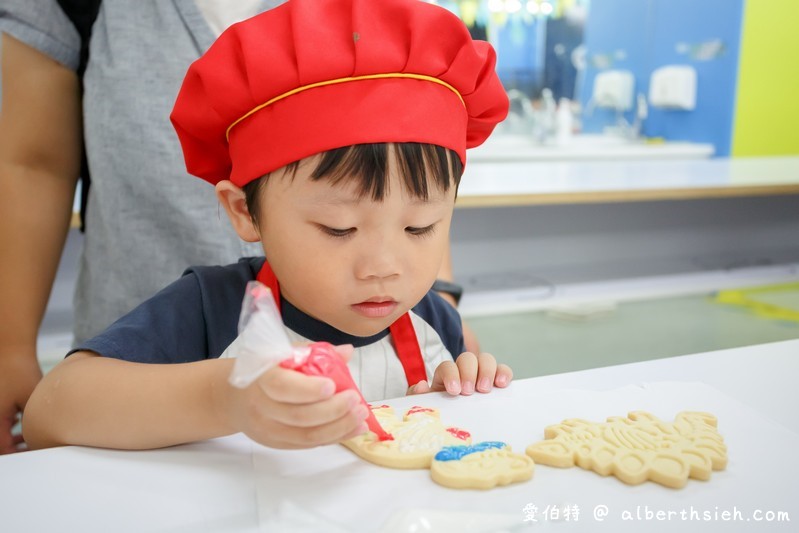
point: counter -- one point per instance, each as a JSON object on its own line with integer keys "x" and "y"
{"x": 498, "y": 182}
{"x": 508, "y": 183}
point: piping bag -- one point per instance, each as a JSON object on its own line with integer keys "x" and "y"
{"x": 262, "y": 344}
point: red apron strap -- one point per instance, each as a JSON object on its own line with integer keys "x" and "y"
{"x": 407, "y": 345}
{"x": 267, "y": 277}
{"x": 402, "y": 332}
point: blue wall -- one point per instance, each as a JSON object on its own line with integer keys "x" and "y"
{"x": 520, "y": 64}
{"x": 642, "y": 35}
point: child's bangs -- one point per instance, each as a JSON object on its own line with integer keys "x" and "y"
{"x": 420, "y": 166}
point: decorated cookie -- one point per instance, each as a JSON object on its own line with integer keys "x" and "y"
{"x": 416, "y": 438}
{"x": 637, "y": 448}
{"x": 480, "y": 466}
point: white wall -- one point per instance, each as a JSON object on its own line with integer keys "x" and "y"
{"x": 523, "y": 246}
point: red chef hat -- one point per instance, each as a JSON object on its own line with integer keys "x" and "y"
{"x": 314, "y": 75}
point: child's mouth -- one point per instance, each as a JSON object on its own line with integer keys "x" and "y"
{"x": 374, "y": 309}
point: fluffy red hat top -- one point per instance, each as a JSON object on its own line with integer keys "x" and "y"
{"x": 314, "y": 75}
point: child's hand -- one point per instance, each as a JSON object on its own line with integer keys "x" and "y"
{"x": 287, "y": 409}
{"x": 466, "y": 374}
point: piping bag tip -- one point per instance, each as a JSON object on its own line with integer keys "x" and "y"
{"x": 377, "y": 429}
{"x": 324, "y": 360}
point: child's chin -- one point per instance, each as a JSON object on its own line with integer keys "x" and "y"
{"x": 366, "y": 328}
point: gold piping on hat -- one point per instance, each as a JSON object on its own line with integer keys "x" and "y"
{"x": 345, "y": 80}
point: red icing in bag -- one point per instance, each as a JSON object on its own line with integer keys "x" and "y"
{"x": 325, "y": 361}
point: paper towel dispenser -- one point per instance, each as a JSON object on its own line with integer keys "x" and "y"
{"x": 673, "y": 87}
{"x": 614, "y": 89}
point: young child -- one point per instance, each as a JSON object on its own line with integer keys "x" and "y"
{"x": 335, "y": 133}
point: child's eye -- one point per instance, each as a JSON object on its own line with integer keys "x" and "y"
{"x": 335, "y": 232}
{"x": 421, "y": 232}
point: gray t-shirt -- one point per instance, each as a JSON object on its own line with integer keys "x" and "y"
{"x": 147, "y": 218}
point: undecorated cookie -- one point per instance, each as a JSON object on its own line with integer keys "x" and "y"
{"x": 417, "y": 438}
{"x": 480, "y": 466}
{"x": 637, "y": 448}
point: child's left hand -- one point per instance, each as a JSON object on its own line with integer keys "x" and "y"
{"x": 469, "y": 372}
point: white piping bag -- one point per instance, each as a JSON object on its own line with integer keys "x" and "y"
{"x": 262, "y": 342}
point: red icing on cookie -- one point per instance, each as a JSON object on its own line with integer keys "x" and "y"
{"x": 459, "y": 433}
{"x": 416, "y": 409}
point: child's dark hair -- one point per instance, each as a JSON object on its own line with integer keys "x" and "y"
{"x": 418, "y": 163}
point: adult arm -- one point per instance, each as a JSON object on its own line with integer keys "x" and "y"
{"x": 40, "y": 132}
{"x": 445, "y": 273}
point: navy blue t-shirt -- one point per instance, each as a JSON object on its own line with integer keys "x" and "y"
{"x": 196, "y": 318}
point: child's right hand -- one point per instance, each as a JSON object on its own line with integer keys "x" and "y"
{"x": 287, "y": 409}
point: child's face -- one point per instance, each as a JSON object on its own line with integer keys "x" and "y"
{"x": 354, "y": 263}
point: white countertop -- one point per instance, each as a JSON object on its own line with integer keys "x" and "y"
{"x": 230, "y": 484}
{"x": 486, "y": 184}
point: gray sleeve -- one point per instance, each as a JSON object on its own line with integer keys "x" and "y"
{"x": 42, "y": 24}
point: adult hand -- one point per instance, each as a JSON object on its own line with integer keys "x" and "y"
{"x": 19, "y": 375}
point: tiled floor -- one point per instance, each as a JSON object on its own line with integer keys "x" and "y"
{"x": 538, "y": 343}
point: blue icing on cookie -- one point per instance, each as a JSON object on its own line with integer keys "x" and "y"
{"x": 455, "y": 453}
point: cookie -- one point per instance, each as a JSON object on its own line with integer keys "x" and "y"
{"x": 480, "y": 466}
{"x": 637, "y": 448}
{"x": 416, "y": 438}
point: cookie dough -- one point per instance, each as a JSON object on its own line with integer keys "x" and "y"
{"x": 417, "y": 438}
{"x": 481, "y": 466}
{"x": 637, "y": 448}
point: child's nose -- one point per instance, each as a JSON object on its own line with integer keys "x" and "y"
{"x": 378, "y": 260}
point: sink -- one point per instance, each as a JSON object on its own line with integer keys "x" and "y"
{"x": 513, "y": 147}
{"x": 501, "y": 142}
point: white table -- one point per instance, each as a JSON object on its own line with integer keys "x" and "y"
{"x": 230, "y": 484}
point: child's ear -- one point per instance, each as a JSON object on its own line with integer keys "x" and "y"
{"x": 234, "y": 201}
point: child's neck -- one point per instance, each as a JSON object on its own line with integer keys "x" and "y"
{"x": 316, "y": 330}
